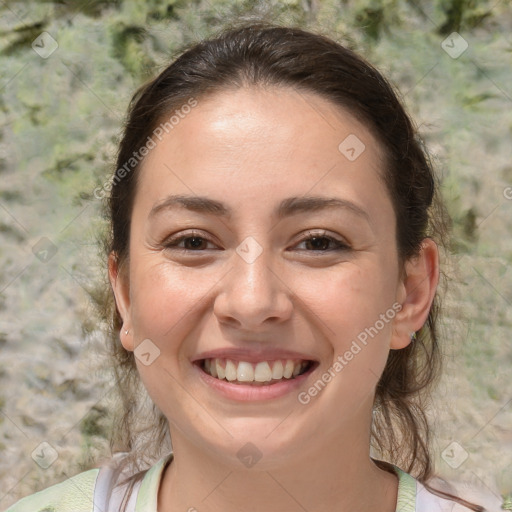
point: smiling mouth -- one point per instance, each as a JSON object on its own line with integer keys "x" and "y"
{"x": 263, "y": 373}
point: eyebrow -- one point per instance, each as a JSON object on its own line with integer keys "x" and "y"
{"x": 287, "y": 207}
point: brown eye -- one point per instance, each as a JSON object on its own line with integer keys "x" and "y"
{"x": 190, "y": 242}
{"x": 322, "y": 243}
{"x": 194, "y": 242}
{"x": 317, "y": 243}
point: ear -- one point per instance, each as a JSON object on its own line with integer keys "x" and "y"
{"x": 416, "y": 293}
{"x": 120, "y": 285}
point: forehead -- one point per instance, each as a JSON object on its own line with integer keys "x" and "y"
{"x": 263, "y": 141}
{"x": 272, "y": 113}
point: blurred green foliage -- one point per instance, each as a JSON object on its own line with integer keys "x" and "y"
{"x": 61, "y": 117}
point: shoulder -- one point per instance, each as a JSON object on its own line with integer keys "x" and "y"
{"x": 427, "y": 501}
{"x": 415, "y": 496}
{"x": 72, "y": 495}
{"x": 90, "y": 491}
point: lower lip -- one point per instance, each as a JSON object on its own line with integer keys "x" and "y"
{"x": 244, "y": 393}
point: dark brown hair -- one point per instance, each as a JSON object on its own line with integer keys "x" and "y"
{"x": 261, "y": 54}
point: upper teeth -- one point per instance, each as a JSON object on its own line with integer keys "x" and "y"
{"x": 263, "y": 371}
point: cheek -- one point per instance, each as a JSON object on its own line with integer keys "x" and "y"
{"x": 167, "y": 306}
{"x": 349, "y": 298}
{"x": 164, "y": 296}
{"x": 355, "y": 309}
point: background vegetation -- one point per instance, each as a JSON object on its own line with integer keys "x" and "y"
{"x": 60, "y": 118}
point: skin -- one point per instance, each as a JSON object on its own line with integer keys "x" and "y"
{"x": 250, "y": 149}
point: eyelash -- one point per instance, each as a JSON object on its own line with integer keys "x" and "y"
{"x": 339, "y": 245}
{"x": 172, "y": 242}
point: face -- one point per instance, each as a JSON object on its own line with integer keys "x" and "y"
{"x": 262, "y": 249}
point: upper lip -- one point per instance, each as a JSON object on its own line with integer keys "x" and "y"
{"x": 251, "y": 355}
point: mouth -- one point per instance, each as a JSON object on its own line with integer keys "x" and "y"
{"x": 261, "y": 373}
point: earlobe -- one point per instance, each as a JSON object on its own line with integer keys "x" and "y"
{"x": 416, "y": 293}
{"x": 120, "y": 286}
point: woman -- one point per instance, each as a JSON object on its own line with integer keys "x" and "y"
{"x": 274, "y": 261}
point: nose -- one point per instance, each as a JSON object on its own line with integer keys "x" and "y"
{"x": 253, "y": 295}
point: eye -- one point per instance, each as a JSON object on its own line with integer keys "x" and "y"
{"x": 320, "y": 242}
{"x": 194, "y": 242}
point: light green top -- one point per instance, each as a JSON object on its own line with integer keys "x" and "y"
{"x": 73, "y": 495}
{"x": 76, "y": 494}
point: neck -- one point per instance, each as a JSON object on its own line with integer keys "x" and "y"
{"x": 339, "y": 475}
